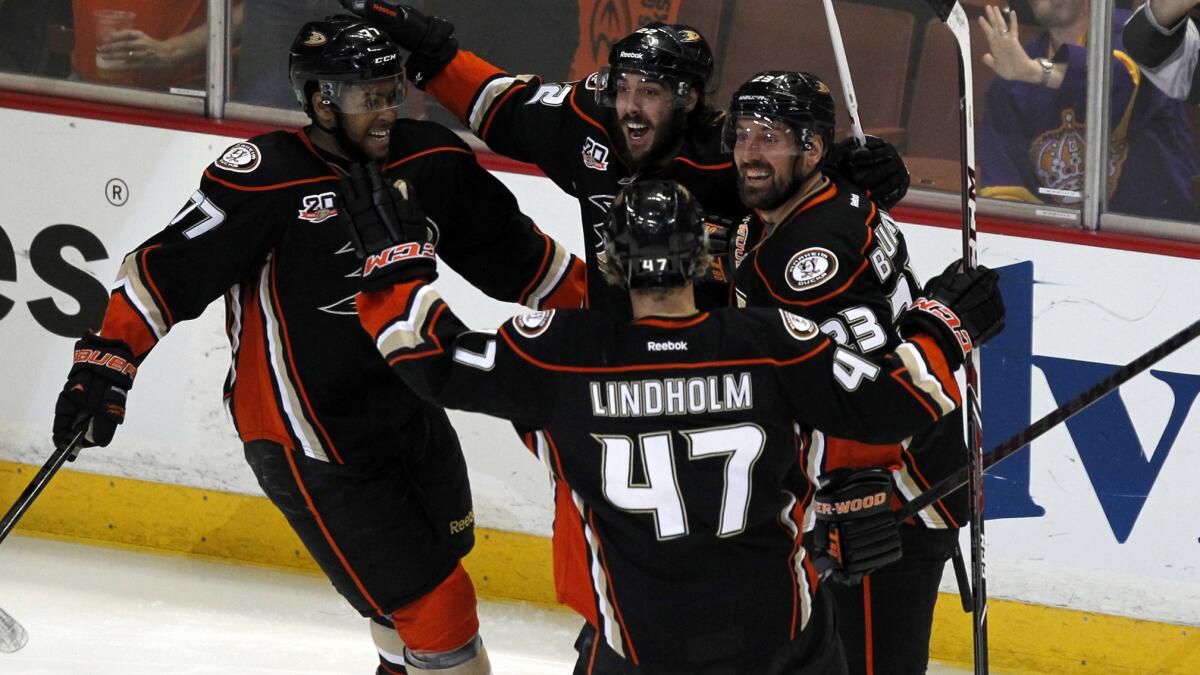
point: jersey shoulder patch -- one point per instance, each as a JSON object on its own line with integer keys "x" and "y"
{"x": 241, "y": 157}
{"x": 533, "y": 324}
{"x": 810, "y": 268}
{"x": 799, "y": 327}
{"x": 268, "y": 161}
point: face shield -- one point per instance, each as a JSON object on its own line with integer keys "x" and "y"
{"x": 764, "y": 134}
{"x": 364, "y": 96}
{"x": 611, "y": 82}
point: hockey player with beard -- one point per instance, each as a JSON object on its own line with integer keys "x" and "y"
{"x": 371, "y": 477}
{"x": 685, "y": 438}
{"x": 817, "y": 246}
{"x": 644, "y": 116}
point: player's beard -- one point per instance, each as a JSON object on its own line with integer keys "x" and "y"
{"x": 770, "y": 196}
{"x": 665, "y": 139}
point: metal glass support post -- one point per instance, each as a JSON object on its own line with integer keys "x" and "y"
{"x": 1099, "y": 64}
{"x": 218, "y": 58}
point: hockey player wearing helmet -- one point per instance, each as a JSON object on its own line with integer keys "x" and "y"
{"x": 646, "y": 115}
{"x": 817, "y": 246}
{"x": 370, "y": 476}
{"x": 682, "y": 438}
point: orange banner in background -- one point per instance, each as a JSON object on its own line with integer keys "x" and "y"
{"x": 603, "y": 22}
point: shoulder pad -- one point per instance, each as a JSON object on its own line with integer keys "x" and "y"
{"x": 415, "y": 136}
{"x": 555, "y": 338}
{"x": 268, "y": 160}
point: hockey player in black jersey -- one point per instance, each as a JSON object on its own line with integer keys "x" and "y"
{"x": 683, "y": 439}
{"x": 817, "y": 246}
{"x": 646, "y": 115}
{"x": 370, "y": 476}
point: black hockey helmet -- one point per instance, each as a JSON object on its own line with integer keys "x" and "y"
{"x": 675, "y": 53}
{"x": 353, "y": 64}
{"x": 800, "y": 100}
{"x": 654, "y": 235}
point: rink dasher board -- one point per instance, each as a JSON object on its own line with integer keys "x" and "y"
{"x": 1089, "y": 305}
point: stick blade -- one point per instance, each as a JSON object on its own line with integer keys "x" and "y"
{"x": 942, "y": 7}
{"x": 12, "y": 634}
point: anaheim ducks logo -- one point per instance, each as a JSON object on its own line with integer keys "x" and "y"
{"x": 798, "y": 326}
{"x": 811, "y": 268}
{"x": 315, "y": 39}
{"x": 689, "y": 36}
{"x": 822, "y": 88}
{"x": 533, "y": 324}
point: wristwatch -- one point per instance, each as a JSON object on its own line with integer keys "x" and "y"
{"x": 1047, "y": 70}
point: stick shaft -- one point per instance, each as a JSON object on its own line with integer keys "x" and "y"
{"x": 1052, "y": 419}
{"x": 35, "y": 487}
{"x": 843, "y": 67}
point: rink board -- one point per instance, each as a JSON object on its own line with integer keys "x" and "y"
{"x": 1098, "y": 519}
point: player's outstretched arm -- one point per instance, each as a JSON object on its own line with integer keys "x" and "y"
{"x": 887, "y": 398}
{"x": 412, "y": 326}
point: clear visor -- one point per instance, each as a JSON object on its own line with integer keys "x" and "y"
{"x": 757, "y": 132}
{"x": 614, "y": 82}
{"x": 364, "y": 96}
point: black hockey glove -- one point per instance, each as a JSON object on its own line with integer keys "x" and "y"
{"x": 720, "y": 247}
{"x": 856, "y": 532}
{"x": 390, "y": 234}
{"x": 876, "y": 168}
{"x": 429, "y": 38}
{"x": 93, "y": 399}
{"x": 960, "y": 309}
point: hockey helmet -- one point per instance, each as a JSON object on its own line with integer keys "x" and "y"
{"x": 799, "y": 100}
{"x": 674, "y": 53}
{"x": 654, "y": 235}
{"x": 354, "y": 65}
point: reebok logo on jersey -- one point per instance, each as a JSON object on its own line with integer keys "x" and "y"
{"x": 595, "y": 154}
{"x": 318, "y": 208}
{"x": 668, "y": 346}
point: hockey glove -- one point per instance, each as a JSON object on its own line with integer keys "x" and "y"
{"x": 390, "y": 234}
{"x": 429, "y": 38}
{"x": 720, "y": 231}
{"x": 93, "y": 399}
{"x": 876, "y": 168}
{"x": 856, "y": 532}
{"x": 960, "y": 309}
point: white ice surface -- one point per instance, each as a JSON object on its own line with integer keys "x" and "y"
{"x": 104, "y": 611}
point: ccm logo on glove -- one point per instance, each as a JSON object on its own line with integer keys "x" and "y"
{"x": 408, "y": 251}
{"x": 852, "y": 505}
{"x": 105, "y": 359}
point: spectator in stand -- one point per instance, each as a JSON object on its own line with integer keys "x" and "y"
{"x": 1032, "y": 142}
{"x": 1166, "y": 44}
{"x": 152, "y": 45}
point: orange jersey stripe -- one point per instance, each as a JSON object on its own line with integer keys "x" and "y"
{"x": 483, "y": 131}
{"x": 254, "y": 406}
{"x": 612, "y": 587}
{"x": 122, "y": 322}
{"x": 266, "y": 188}
{"x": 938, "y": 365}
{"x": 572, "y": 292}
{"x": 456, "y": 86}
{"x": 287, "y": 351}
{"x": 446, "y": 148}
{"x": 704, "y": 167}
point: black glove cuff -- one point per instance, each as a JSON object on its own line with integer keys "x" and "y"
{"x": 110, "y": 359}
{"x": 422, "y": 67}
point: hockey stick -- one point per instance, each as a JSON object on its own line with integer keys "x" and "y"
{"x": 942, "y": 488}
{"x": 843, "y": 67}
{"x": 35, "y": 487}
{"x": 955, "y": 18}
{"x": 12, "y": 634}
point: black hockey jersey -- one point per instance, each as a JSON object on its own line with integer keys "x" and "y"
{"x": 682, "y": 444}
{"x": 840, "y": 261}
{"x": 560, "y": 128}
{"x": 262, "y": 231}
